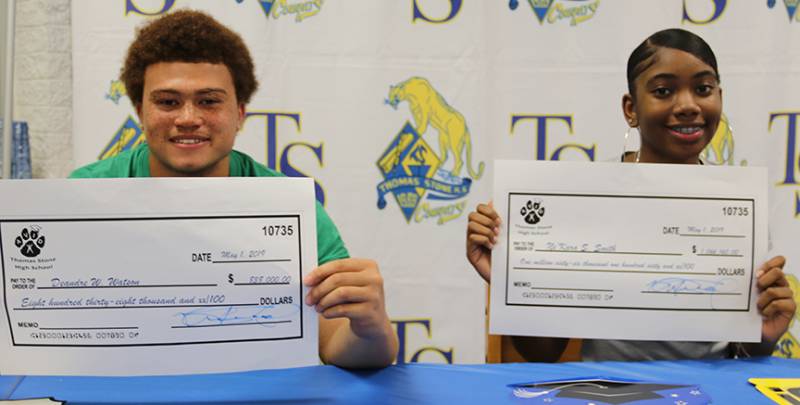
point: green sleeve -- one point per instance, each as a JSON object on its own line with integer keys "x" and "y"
{"x": 329, "y": 243}
{"x": 130, "y": 163}
{"x": 91, "y": 171}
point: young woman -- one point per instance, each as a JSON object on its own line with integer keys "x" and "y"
{"x": 675, "y": 100}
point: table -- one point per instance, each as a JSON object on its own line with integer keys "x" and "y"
{"x": 7, "y": 385}
{"x": 724, "y": 380}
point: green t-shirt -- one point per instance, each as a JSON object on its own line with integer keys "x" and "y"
{"x": 135, "y": 163}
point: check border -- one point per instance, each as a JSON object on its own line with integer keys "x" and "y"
{"x": 752, "y": 248}
{"x": 170, "y": 218}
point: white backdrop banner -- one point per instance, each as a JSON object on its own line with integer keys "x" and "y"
{"x": 518, "y": 79}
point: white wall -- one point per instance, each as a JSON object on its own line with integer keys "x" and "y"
{"x": 3, "y": 6}
{"x": 43, "y": 82}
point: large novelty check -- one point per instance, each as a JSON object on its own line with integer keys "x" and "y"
{"x": 156, "y": 276}
{"x": 624, "y": 251}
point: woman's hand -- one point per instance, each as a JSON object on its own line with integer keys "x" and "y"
{"x": 482, "y": 232}
{"x": 775, "y": 300}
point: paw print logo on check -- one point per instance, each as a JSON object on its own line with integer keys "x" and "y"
{"x": 532, "y": 212}
{"x": 30, "y": 242}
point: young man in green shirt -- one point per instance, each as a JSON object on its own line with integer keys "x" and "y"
{"x": 190, "y": 78}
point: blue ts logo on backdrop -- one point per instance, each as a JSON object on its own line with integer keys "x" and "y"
{"x": 692, "y": 17}
{"x": 278, "y": 154}
{"x": 300, "y": 9}
{"x": 542, "y": 135}
{"x": 792, "y": 173}
{"x": 403, "y": 328}
{"x": 130, "y": 134}
{"x": 413, "y": 172}
{"x": 553, "y": 11}
{"x": 791, "y": 8}
{"x": 419, "y": 14}
{"x": 131, "y": 6}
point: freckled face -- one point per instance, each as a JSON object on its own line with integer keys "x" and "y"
{"x": 677, "y": 106}
{"x": 190, "y": 117}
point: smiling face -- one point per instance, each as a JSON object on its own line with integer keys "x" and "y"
{"x": 677, "y": 104}
{"x": 190, "y": 117}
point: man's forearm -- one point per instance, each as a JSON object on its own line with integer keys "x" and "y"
{"x": 341, "y": 347}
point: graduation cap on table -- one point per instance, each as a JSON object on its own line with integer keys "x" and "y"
{"x": 609, "y": 391}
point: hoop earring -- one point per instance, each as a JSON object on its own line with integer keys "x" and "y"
{"x": 625, "y": 143}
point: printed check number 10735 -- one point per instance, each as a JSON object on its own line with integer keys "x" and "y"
{"x": 667, "y": 257}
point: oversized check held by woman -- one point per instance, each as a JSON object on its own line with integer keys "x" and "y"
{"x": 649, "y": 252}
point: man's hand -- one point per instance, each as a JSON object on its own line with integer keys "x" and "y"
{"x": 354, "y": 329}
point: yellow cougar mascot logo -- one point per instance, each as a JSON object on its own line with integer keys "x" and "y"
{"x": 116, "y": 91}
{"x": 429, "y": 107}
{"x": 720, "y": 150}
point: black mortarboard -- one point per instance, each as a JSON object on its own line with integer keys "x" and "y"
{"x": 610, "y": 391}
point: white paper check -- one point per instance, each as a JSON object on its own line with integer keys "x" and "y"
{"x": 156, "y": 276}
{"x": 625, "y": 251}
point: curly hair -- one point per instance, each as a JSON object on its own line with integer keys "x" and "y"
{"x": 188, "y": 36}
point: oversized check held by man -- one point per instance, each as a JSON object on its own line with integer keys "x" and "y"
{"x": 623, "y": 251}
{"x": 156, "y": 276}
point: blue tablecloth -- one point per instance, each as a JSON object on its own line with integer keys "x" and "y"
{"x": 725, "y": 381}
{"x": 7, "y": 386}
